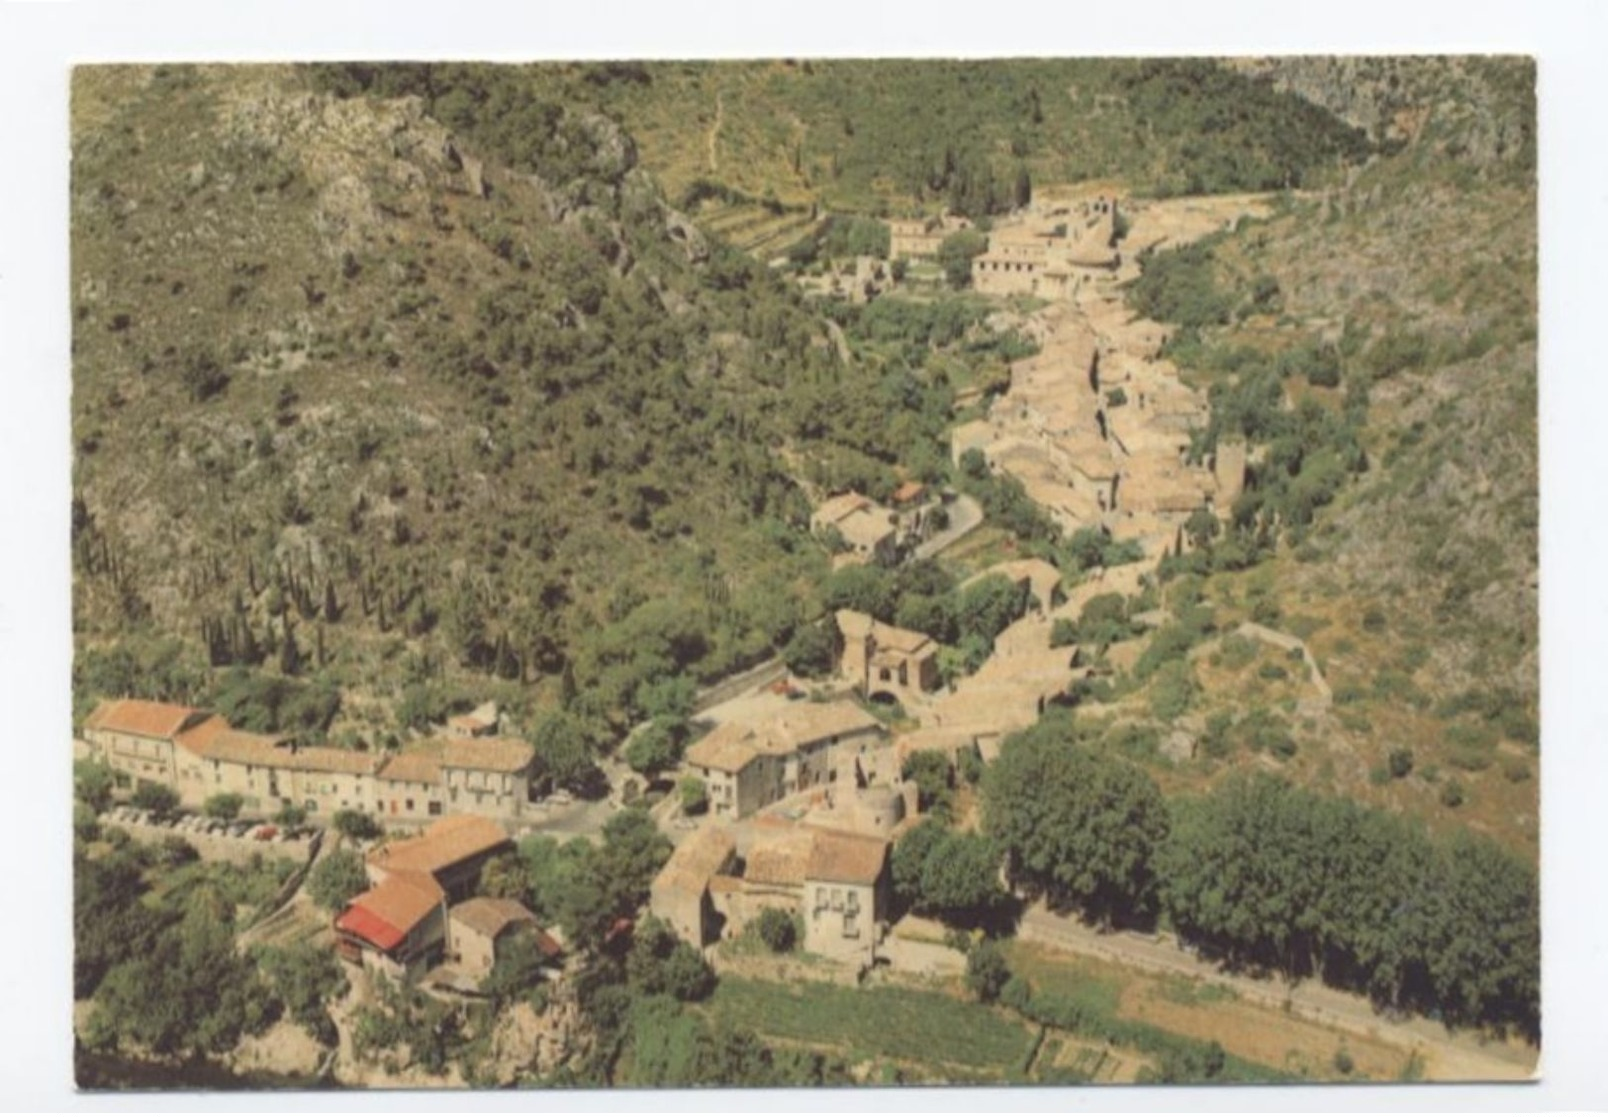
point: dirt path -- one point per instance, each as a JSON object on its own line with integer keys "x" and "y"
{"x": 1447, "y": 1057}
{"x": 714, "y": 133}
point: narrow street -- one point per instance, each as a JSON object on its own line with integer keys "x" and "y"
{"x": 965, "y": 514}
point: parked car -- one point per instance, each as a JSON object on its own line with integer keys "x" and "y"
{"x": 266, "y": 833}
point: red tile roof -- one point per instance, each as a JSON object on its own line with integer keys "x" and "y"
{"x": 140, "y": 718}
{"x": 443, "y": 844}
{"x": 386, "y": 913}
{"x": 908, "y": 491}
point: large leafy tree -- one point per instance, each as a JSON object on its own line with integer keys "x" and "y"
{"x": 1262, "y": 873}
{"x": 564, "y": 749}
{"x": 1078, "y": 827}
{"x": 336, "y": 879}
{"x": 947, "y": 873}
{"x": 989, "y": 605}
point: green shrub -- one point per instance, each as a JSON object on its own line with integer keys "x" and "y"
{"x": 777, "y": 930}
{"x": 1173, "y": 690}
{"x": 1401, "y": 762}
{"x": 225, "y": 805}
{"x": 155, "y": 797}
{"x": 987, "y": 971}
{"x": 694, "y": 796}
{"x": 356, "y": 825}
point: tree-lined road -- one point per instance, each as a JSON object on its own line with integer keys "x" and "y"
{"x": 1449, "y": 1057}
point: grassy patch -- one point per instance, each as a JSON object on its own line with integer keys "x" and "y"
{"x": 885, "y": 1022}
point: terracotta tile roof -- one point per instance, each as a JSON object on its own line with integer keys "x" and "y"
{"x": 490, "y": 754}
{"x": 857, "y": 626}
{"x": 865, "y": 527}
{"x": 199, "y": 737}
{"x": 706, "y": 852}
{"x": 846, "y": 858}
{"x": 806, "y": 722}
{"x": 140, "y": 718}
{"x": 483, "y": 716}
{"x": 727, "y": 748}
{"x": 386, "y": 913}
{"x": 239, "y": 747}
{"x": 443, "y": 844}
{"x": 900, "y": 639}
{"x": 908, "y": 491}
{"x": 412, "y": 767}
{"x": 491, "y": 916}
{"x": 780, "y": 859}
{"x": 731, "y": 747}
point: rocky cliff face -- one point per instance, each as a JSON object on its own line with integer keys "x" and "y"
{"x": 1481, "y": 110}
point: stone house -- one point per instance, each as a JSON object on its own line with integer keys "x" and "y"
{"x": 746, "y": 766}
{"x": 198, "y": 754}
{"x": 680, "y": 894}
{"x": 846, "y": 896}
{"x": 868, "y": 529}
{"x": 880, "y": 657}
{"x": 478, "y": 928}
{"x": 836, "y": 881}
{"x": 399, "y": 926}
{"x": 919, "y": 238}
{"x": 1049, "y": 260}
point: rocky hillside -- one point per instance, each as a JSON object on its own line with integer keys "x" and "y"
{"x": 1405, "y": 297}
{"x": 1479, "y": 110}
{"x": 368, "y": 402}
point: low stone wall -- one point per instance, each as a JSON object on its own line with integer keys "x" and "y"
{"x": 215, "y": 847}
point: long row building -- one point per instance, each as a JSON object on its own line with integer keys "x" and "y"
{"x": 199, "y": 754}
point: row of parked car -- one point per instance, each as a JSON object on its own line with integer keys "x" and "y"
{"x": 201, "y": 824}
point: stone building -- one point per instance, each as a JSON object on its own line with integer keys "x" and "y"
{"x": 919, "y": 238}
{"x": 400, "y": 925}
{"x": 198, "y": 754}
{"x": 880, "y": 658}
{"x": 836, "y": 881}
{"x": 749, "y": 765}
{"x": 1049, "y": 260}
{"x": 680, "y": 893}
{"x": 480, "y": 928}
{"x": 846, "y": 896}
{"x": 868, "y": 530}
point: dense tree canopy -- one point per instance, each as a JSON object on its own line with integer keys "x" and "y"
{"x": 948, "y": 873}
{"x": 1263, "y": 873}
{"x": 1078, "y": 826}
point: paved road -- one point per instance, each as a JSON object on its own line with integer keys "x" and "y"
{"x": 1449, "y": 1057}
{"x": 579, "y": 819}
{"x": 965, "y": 514}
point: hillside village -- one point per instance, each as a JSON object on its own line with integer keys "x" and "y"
{"x": 827, "y": 815}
